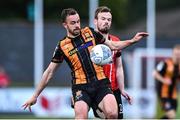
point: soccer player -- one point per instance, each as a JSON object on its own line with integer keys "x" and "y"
{"x": 167, "y": 74}
{"x": 88, "y": 80}
{"x": 114, "y": 71}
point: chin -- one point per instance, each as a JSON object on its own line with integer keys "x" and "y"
{"x": 76, "y": 33}
{"x": 104, "y": 31}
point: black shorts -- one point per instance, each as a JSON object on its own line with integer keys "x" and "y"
{"x": 91, "y": 93}
{"x": 168, "y": 104}
{"x": 99, "y": 113}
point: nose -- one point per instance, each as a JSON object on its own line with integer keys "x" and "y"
{"x": 106, "y": 21}
{"x": 77, "y": 24}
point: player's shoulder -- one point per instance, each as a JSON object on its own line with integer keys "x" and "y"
{"x": 169, "y": 61}
{"x": 162, "y": 64}
{"x": 87, "y": 28}
{"x": 114, "y": 37}
{"x": 63, "y": 39}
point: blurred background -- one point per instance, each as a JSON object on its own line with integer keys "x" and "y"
{"x": 30, "y": 30}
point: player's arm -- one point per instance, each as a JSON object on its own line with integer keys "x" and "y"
{"x": 157, "y": 73}
{"x": 160, "y": 78}
{"x": 46, "y": 77}
{"x": 120, "y": 79}
{"x": 120, "y": 73}
{"x": 119, "y": 45}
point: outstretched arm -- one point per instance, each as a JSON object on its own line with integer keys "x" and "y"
{"x": 47, "y": 75}
{"x": 119, "y": 45}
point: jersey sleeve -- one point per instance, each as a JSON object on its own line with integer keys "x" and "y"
{"x": 57, "y": 55}
{"x": 161, "y": 67}
{"x": 98, "y": 36}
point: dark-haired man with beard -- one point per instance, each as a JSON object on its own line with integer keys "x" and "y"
{"x": 114, "y": 71}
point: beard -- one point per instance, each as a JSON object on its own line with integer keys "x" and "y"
{"x": 75, "y": 32}
{"x": 104, "y": 30}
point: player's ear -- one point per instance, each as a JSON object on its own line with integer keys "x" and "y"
{"x": 95, "y": 21}
{"x": 64, "y": 24}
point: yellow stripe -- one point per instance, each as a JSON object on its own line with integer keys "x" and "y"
{"x": 66, "y": 46}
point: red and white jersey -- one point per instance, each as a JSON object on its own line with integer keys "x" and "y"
{"x": 110, "y": 69}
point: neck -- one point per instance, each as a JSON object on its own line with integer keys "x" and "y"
{"x": 71, "y": 36}
{"x": 104, "y": 34}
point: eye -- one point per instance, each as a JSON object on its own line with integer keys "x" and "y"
{"x": 72, "y": 22}
{"x": 109, "y": 19}
{"x": 103, "y": 18}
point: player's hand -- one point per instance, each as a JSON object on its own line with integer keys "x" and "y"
{"x": 127, "y": 96}
{"x": 29, "y": 103}
{"x": 167, "y": 81}
{"x": 139, "y": 36}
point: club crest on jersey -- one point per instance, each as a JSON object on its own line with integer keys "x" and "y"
{"x": 78, "y": 94}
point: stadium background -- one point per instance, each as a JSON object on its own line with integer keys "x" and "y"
{"x": 17, "y": 36}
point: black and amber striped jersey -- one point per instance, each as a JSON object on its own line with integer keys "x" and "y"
{"x": 170, "y": 71}
{"x": 76, "y": 52}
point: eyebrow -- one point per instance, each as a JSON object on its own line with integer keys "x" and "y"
{"x": 106, "y": 17}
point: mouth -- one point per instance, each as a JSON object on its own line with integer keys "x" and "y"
{"x": 77, "y": 29}
{"x": 106, "y": 25}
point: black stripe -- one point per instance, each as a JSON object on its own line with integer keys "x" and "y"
{"x": 77, "y": 42}
{"x": 171, "y": 87}
{"x": 89, "y": 64}
{"x": 174, "y": 78}
{"x": 84, "y": 58}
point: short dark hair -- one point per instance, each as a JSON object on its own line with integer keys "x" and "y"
{"x": 100, "y": 10}
{"x": 67, "y": 12}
